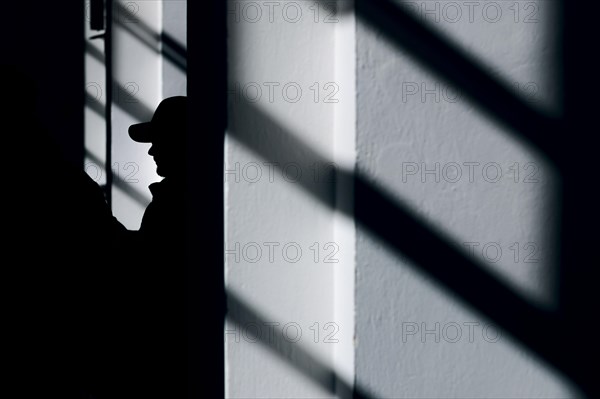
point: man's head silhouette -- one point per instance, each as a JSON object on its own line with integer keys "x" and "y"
{"x": 166, "y": 131}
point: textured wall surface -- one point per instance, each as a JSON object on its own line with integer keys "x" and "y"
{"x": 472, "y": 181}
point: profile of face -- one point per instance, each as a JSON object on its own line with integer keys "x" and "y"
{"x": 168, "y": 158}
{"x": 167, "y": 134}
{"x": 155, "y": 152}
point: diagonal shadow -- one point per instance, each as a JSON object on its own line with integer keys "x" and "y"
{"x": 128, "y": 103}
{"x": 94, "y": 52}
{"x": 96, "y": 106}
{"x": 162, "y": 43}
{"x": 122, "y": 98}
{"x": 542, "y": 133}
{"x": 377, "y": 211}
{"x": 243, "y": 316}
{"x": 409, "y": 236}
{"x": 438, "y": 55}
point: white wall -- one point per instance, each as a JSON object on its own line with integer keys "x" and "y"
{"x": 403, "y": 130}
{"x": 286, "y": 48}
{"x": 344, "y": 156}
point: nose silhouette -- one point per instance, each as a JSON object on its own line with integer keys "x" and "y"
{"x": 152, "y": 150}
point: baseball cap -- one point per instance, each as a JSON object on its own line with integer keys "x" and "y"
{"x": 169, "y": 122}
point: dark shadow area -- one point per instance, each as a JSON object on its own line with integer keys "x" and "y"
{"x": 86, "y": 315}
{"x": 580, "y": 216}
{"x": 53, "y": 64}
{"x": 96, "y": 311}
{"x": 205, "y": 203}
{"x": 59, "y": 320}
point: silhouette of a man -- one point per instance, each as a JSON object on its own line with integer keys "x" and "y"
{"x": 163, "y": 220}
{"x": 161, "y": 257}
